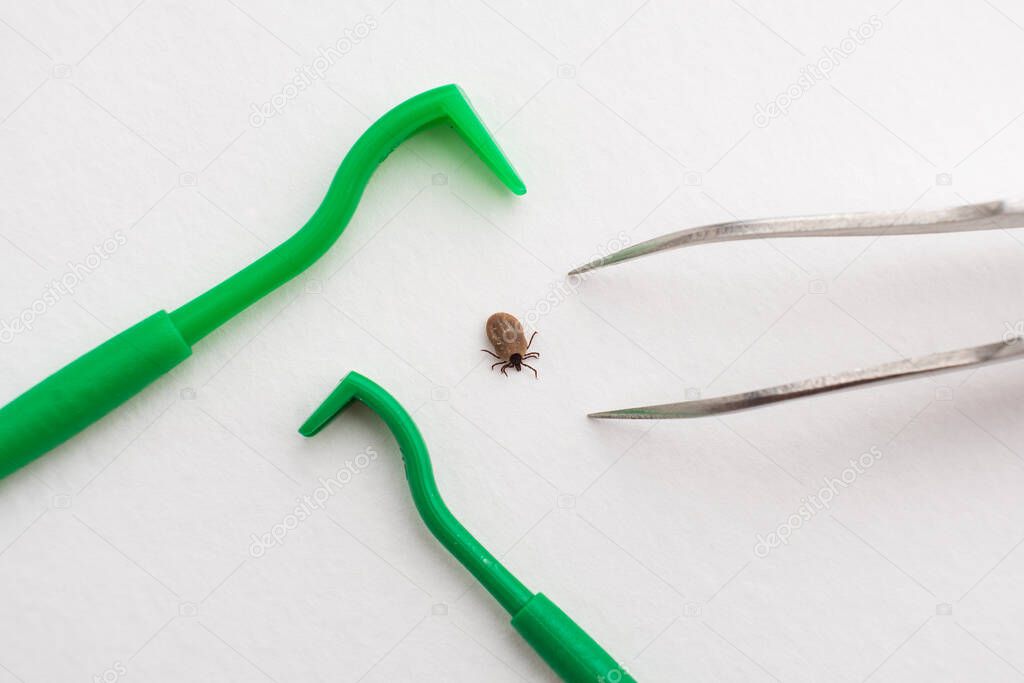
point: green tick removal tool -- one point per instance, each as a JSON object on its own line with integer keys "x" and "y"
{"x": 93, "y": 385}
{"x": 560, "y": 642}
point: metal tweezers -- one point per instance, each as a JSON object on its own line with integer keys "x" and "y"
{"x": 995, "y": 215}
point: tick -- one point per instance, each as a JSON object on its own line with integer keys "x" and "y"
{"x": 506, "y": 335}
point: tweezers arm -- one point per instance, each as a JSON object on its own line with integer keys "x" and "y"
{"x": 888, "y": 372}
{"x": 987, "y": 216}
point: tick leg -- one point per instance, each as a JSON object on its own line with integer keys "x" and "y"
{"x": 505, "y": 367}
{"x": 535, "y": 375}
{"x": 497, "y": 364}
{"x": 531, "y": 340}
{"x": 532, "y": 354}
{"x": 491, "y": 352}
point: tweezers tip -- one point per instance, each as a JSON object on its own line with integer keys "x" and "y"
{"x": 586, "y": 267}
{"x": 608, "y": 260}
{"x": 626, "y": 414}
{"x": 673, "y": 411}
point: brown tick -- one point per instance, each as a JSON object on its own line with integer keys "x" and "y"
{"x": 509, "y": 341}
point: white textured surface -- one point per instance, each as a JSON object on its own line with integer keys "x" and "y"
{"x": 125, "y": 554}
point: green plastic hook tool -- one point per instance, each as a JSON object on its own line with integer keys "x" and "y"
{"x": 560, "y": 642}
{"x": 93, "y": 385}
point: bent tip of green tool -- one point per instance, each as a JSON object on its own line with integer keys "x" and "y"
{"x": 93, "y": 385}
{"x": 563, "y": 644}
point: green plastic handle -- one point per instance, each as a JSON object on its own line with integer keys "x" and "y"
{"x": 98, "y": 382}
{"x": 88, "y": 388}
{"x": 564, "y": 645}
{"x": 567, "y": 648}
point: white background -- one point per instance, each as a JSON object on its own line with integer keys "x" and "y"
{"x": 125, "y": 553}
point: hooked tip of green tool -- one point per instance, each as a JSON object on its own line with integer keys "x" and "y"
{"x": 336, "y": 402}
{"x": 471, "y": 127}
{"x": 352, "y": 387}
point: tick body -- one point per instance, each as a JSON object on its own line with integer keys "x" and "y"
{"x": 511, "y": 347}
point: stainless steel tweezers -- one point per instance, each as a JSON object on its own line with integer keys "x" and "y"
{"x": 995, "y": 215}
